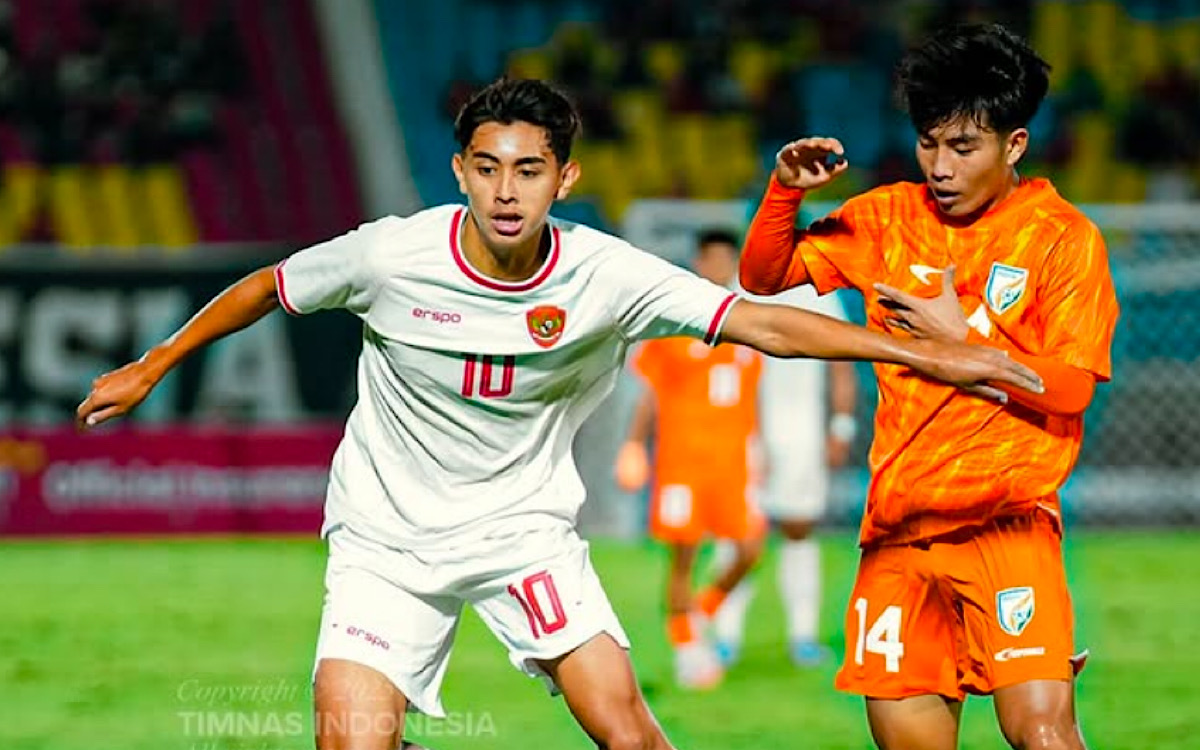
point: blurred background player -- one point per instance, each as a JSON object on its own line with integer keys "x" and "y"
{"x": 801, "y": 442}
{"x": 700, "y": 404}
{"x": 961, "y": 586}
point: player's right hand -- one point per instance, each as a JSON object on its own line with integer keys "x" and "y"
{"x": 115, "y": 394}
{"x": 810, "y": 163}
{"x": 632, "y": 470}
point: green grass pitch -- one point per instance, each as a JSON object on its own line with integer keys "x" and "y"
{"x": 206, "y": 644}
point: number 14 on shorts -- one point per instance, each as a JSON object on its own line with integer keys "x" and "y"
{"x": 882, "y": 637}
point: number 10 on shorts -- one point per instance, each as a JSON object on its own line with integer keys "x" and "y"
{"x": 883, "y": 637}
{"x": 535, "y": 595}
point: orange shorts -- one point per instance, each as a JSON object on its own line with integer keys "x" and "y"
{"x": 685, "y": 512}
{"x": 967, "y": 613}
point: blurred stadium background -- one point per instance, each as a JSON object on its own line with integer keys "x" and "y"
{"x": 155, "y": 150}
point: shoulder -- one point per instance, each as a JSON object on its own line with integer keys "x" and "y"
{"x": 878, "y": 205}
{"x": 430, "y": 222}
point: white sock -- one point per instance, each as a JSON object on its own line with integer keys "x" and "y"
{"x": 730, "y": 621}
{"x": 800, "y": 587}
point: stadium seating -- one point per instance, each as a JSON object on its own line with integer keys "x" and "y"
{"x": 166, "y": 124}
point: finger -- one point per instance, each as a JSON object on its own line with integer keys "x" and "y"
{"x": 948, "y": 282}
{"x": 102, "y": 416}
{"x": 894, "y": 294}
{"x": 989, "y": 392}
{"x": 1029, "y": 379}
{"x": 85, "y": 407}
{"x": 899, "y": 323}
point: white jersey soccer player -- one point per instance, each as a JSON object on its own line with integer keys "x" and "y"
{"x": 454, "y": 482}
{"x": 459, "y": 448}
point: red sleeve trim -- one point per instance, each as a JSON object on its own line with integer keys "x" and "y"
{"x": 288, "y": 307}
{"x": 714, "y": 327}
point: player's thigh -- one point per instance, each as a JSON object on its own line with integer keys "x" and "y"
{"x": 598, "y": 682}
{"x": 548, "y": 606}
{"x": 674, "y": 515}
{"x": 356, "y": 706}
{"x": 1016, "y": 606}
{"x": 922, "y": 722}
{"x": 372, "y": 619}
{"x": 1038, "y": 711}
{"x": 901, "y": 632}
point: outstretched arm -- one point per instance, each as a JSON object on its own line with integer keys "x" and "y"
{"x": 117, "y": 393}
{"x": 784, "y": 331}
{"x": 632, "y": 469}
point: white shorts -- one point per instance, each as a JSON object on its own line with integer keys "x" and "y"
{"x": 797, "y": 485}
{"x": 396, "y": 611}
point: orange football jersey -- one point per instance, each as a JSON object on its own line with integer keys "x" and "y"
{"x": 1031, "y": 272}
{"x": 706, "y": 400}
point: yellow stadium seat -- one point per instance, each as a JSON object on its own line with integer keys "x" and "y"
{"x": 530, "y": 63}
{"x": 1052, "y": 37}
{"x": 752, "y": 65}
{"x": 117, "y": 221}
{"x": 69, "y": 190}
{"x": 169, "y": 212}
{"x": 1145, "y": 49}
{"x": 18, "y": 202}
{"x": 664, "y": 61}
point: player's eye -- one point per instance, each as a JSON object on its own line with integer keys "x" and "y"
{"x": 485, "y": 169}
{"x": 963, "y": 150}
{"x": 529, "y": 173}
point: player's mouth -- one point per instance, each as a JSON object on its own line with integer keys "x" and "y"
{"x": 944, "y": 198}
{"x": 507, "y": 224}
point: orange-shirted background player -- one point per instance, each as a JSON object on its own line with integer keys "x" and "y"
{"x": 701, "y": 405}
{"x": 961, "y": 587}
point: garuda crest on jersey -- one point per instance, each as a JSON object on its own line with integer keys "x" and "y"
{"x": 546, "y": 324}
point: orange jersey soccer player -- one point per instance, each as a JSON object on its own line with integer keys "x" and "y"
{"x": 701, "y": 404}
{"x": 961, "y": 587}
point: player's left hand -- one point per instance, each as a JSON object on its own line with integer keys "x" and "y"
{"x": 939, "y": 317}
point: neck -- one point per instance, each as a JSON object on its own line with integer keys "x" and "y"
{"x": 516, "y": 263}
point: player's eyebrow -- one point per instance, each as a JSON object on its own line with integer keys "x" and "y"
{"x": 519, "y": 162}
{"x": 962, "y": 140}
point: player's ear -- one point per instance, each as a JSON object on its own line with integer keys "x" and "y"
{"x": 566, "y": 180}
{"x": 456, "y": 163}
{"x": 1016, "y": 145}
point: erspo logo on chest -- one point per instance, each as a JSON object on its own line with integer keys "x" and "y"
{"x": 437, "y": 316}
{"x": 546, "y": 324}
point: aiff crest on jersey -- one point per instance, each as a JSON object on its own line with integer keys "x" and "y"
{"x": 1005, "y": 286}
{"x": 546, "y": 324}
{"x": 1014, "y": 609}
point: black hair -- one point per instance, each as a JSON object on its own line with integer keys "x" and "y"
{"x": 982, "y": 72}
{"x": 509, "y": 100}
{"x": 717, "y": 236}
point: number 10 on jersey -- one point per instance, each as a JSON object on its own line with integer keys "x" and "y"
{"x": 479, "y": 375}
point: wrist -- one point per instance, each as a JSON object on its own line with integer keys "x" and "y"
{"x": 780, "y": 190}
{"x": 158, "y": 361}
{"x": 843, "y": 427}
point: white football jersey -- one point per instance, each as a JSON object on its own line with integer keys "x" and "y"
{"x": 471, "y": 390}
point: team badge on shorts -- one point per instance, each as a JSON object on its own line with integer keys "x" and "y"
{"x": 1005, "y": 286}
{"x": 546, "y": 324}
{"x": 1014, "y": 609}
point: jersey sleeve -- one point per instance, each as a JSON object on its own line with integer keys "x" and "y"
{"x": 842, "y": 249}
{"x": 339, "y": 273}
{"x": 1079, "y": 301}
{"x": 654, "y": 299}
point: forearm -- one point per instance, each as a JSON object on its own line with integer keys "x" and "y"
{"x": 788, "y": 332}
{"x": 641, "y": 426}
{"x": 770, "y": 262}
{"x": 1068, "y": 390}
{"x": 235, "y": 308}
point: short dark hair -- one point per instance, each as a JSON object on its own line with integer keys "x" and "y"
{"x": 983, "y": 72}
{"x": 717, "y": 236}
{"x": 509, "y": 100}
